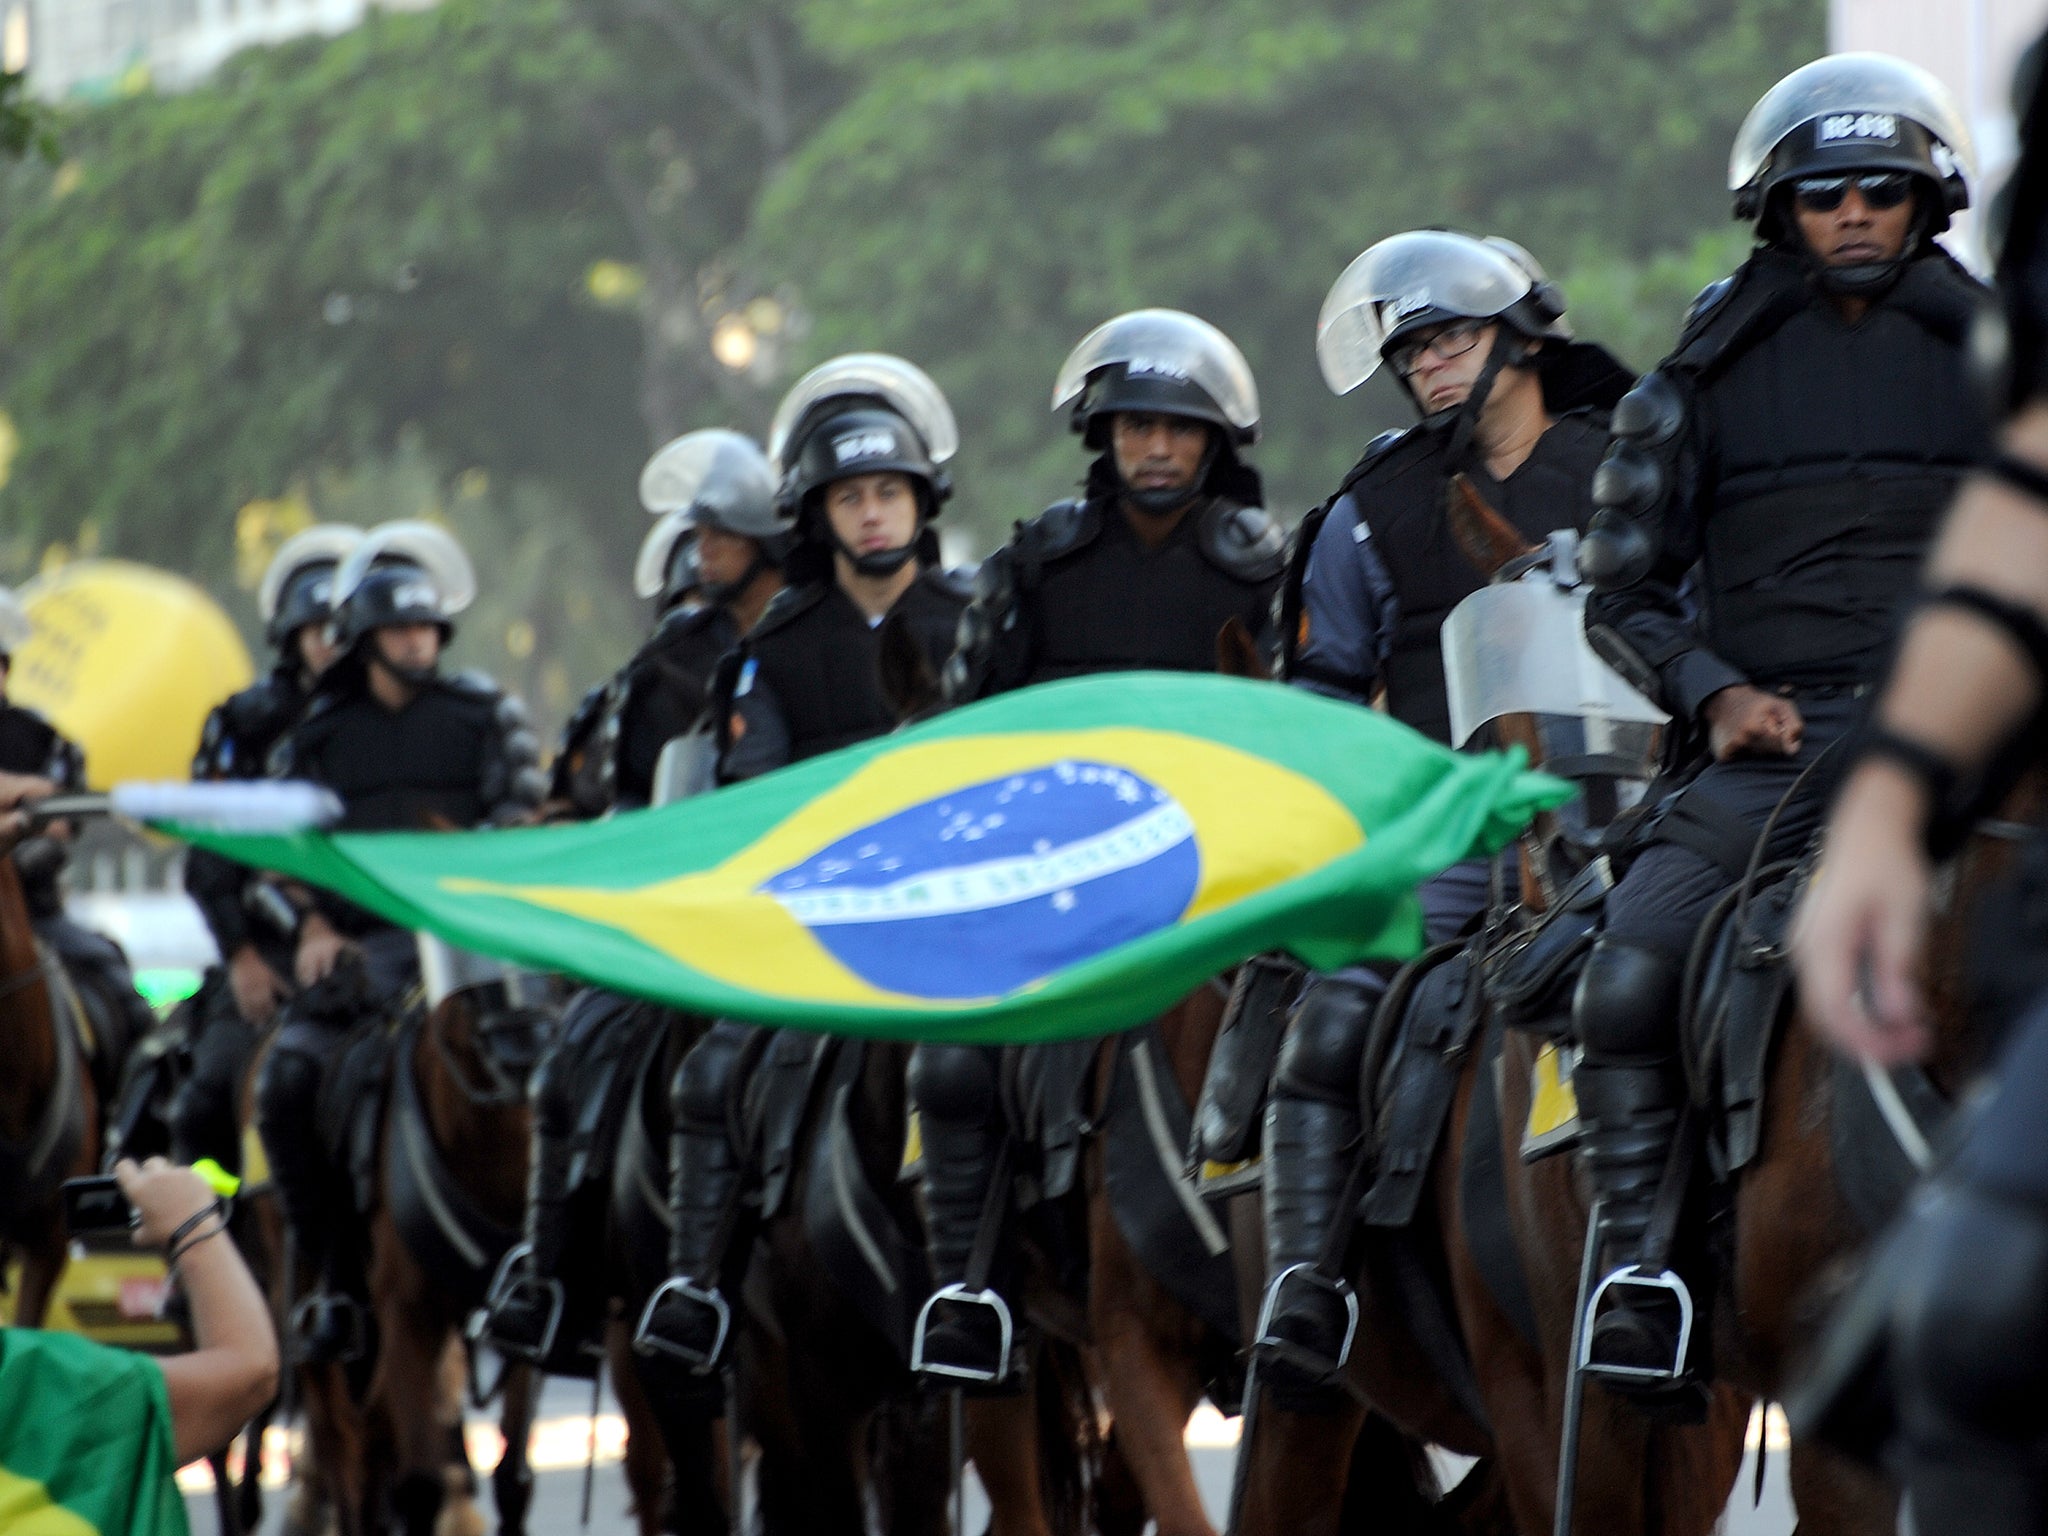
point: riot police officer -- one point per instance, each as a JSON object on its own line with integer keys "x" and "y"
{"x": 30, "y": 744}
{"x": 1791, "y": 456}
{"x": 1957, "y": 1296}
{"x": 860, "y": 445}
{"x": 1507, "y": 397}
{"x": 240, "y": 997}
{"x": 1167, "y": 546}
{"x": 712, "y": 562}
{"x": 406, "y": 747}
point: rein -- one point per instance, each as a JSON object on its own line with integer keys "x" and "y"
{"x": 499, "y": 1089}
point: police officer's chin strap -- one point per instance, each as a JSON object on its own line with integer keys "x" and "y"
{"x": 1162, "y": 501}
{"x": 1868, "y": 280}
{"x": 887, "y": 562}
{"x": 1508, "y": 351}
{"x": 718, "y": 593}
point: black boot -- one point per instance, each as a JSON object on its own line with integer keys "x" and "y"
{"x": 522, "y": 1316}
{"x": 1639, "y": 1323}
{"x": 688, "y": 1320}
{"x": 1308, "y": 1319}
{"x": 329, "y": 1325}
{"x": 963, "y": 1335}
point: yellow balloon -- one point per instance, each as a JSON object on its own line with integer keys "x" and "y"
{"x": 127, "y": 660}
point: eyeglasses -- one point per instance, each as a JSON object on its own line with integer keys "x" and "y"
{"x": 1880, "y": 189}
{"x": 1454, "y": 340}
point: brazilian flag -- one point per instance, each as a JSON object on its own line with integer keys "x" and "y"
{"x": 85, "y": 1440}
{"x": 1061, "y": 861}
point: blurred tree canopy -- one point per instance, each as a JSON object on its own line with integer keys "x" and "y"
{"x": 512, "y": 244}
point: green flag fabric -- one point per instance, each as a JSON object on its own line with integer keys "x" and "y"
{"x": 1061, "y": 861}
{"x": 85, "y": 1440}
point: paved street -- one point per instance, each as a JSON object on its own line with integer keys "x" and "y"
{"x": 562, "y": 1441}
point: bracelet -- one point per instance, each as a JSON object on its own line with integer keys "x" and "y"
{"x": 190, "y": 1224}
{"x": 178, "y": 1251}
{"x": 2021, "y": 626}
{"x": 2030, "y": 480}
{"x": 1935, "y": 774}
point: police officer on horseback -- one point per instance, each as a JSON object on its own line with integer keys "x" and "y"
{"x": 860, "y": 444}
{"x": 30, "y": 744}
{"x": 406, "y": 746}
{"x": 1790, "y": 458}
{"x": 1510, "y": 401}
{"x": 712, "y": 562}
{"x": 1168, "y": 544}
{"x": 250, "y": 923}
{"x": 1956, "y": 1298}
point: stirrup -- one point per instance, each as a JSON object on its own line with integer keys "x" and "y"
{"x": 324, "y": 1304}
{"x": 1663, "y": 1286}
{"x": 957, "y": 1294}
{"x": 648, "y": 1342}
{"x": 1312, "y": 1277}
{"x": 514, "y": 1283}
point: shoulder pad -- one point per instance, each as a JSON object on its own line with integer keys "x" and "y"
{"x": 995, "y": 579}
{"x": 1707, "y": 300}
{"x": 682, "y": 621}
{"x": 256, "y": 708}
{"x": 1381, "y": 450}
{"x": 958, "y": 584}
{"x": 474, "y": 684}
{"x": 1061, "y": 529}
{"x": 786, "y": 606}
{"x": 1384, "y": 444}
{"x": 1242, "y": 541}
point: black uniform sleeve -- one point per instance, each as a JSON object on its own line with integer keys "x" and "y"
{"x": 992, "y": 652}
{"x": 215, "y": 885}
{"x": 512, "y": 782}
{"x": 1650, "y": 616}
{"x": 762, "y": 741}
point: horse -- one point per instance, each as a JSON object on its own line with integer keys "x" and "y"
{"x": 49, "y": 1105}
{"x": 1506, "y": 1401}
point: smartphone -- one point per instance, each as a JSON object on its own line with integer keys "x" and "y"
{"x": 96, "y": 1205}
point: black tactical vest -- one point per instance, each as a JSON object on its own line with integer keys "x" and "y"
{"x": 1831, "y": 452}
{"x": 404, "y": 770}
{"x": 30, "y": 744}
{"x": 238, "y": 735}
{"x": 660, "y": 694}
{"x": 819, "y": 657}
{"x": 1402, "y": 498}
{"x": 1113, "y": 605}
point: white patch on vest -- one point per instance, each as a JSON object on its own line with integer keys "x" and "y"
{"x": 862, "y": 445}
{"x": 1867, "y": 126}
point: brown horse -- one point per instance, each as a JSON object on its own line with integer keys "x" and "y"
{"x": 1635, "y": 1475}
{"x": 49, "y": 1108}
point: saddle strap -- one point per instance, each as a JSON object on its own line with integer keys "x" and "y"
{"x": 1662, "y": 1233}
{"x": 988, "y": 1231}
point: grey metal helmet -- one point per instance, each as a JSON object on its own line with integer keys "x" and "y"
{"x": 404, "y": 572}
{"x": 1162, "y": 361}
{"x": 720, "y": 479}
{"x": 1853, "y": 112}
{"x": 1429, "y": 277}
{"x": 298, "y": 585}
{"x": 862, "y": 379}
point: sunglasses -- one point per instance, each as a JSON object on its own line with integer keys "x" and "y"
{"x": 1824, "y": 194}
{"x": 1454, "y": 340}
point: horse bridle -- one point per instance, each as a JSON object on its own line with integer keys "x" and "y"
{"x": 499, "y": 1087}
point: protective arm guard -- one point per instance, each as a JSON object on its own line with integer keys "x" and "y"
{"x": 992, "y": 649}
{"x": 1642, "y": 540}
{"x": 512, "y": 783}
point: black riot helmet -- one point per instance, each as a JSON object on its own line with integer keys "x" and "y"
{"x": 709, "y": 479}
{"x": 1842, "y": 115}
{"x": 862, "y": 414}
{"x": 298, "y": 585}
{"x": 401, "y": 573}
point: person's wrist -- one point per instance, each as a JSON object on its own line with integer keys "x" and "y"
{"x": 1884, "y": 792}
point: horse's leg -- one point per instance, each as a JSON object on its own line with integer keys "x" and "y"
{"x": 335, "y": 1428}
{"x": 249, "y": 1494}
{"x": 1002, "y": 1442}
{"x": 1294, "y": 1472}
{"x": 647, "y": 1462}
{"x": 406, "y": 1388}
{"x": 512, "y": 1478}
{"x": 1145, "y": 1340}
{"x": 225, "y": 1508}
{"x": 44, "y": 1254}
{"x": 1837, "y": 1497}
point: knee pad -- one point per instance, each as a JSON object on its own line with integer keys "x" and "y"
{"x": 1326, "y": 1038}
{"x": 954, "y": 1082}
{"x": 287, "y": 1091}
{"x": 703, "y": 1082}
{"x": 1970, "y": 1330}
{"x": 1626, "y": 1006}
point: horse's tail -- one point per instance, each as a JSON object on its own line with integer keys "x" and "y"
{"x": 1392, "y": 1489}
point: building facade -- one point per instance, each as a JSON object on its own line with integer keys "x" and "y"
{"x": 95, "y": 47}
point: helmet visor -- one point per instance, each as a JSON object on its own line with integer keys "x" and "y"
{"x": 719, "y": 473}
{"x": 658, "y": 551}
{"x": 433, "y": 550}
{"x": 1860, "y": 89}
{"x": 1425, "y": 272}
{"x": 322, "y": 544}
{"x": 1169, "y": 345}
{"x": 903, "y": 387}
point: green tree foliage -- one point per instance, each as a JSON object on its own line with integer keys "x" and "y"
{"x": 1008, "y": 176}
{"x": 19, "y": 128}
